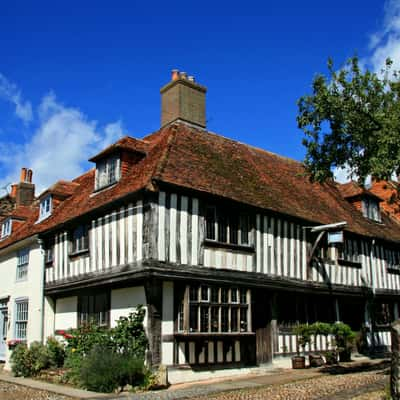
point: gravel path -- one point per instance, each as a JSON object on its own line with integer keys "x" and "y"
{"x": 10, "y": 391}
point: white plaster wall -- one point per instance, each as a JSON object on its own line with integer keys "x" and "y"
{"x": 125, "y": 301}
{"x": 167, "y": 323}
{"x": 49, "y": 317}
{"x": 31, "y": 289}
{"x": 66, "y": 313}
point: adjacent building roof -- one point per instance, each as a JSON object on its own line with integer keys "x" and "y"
{"x": 192, "y": 158}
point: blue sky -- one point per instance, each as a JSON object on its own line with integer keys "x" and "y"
{"x": 75, "y": 76}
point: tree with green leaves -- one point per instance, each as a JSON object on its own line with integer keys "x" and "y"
{"x": 352, "y": 120}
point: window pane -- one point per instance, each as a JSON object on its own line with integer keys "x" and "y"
{"x": 193, "y": 318}
{"x": 222, "y": 228}
{"x": 204, "y": 319}
{"x": 234, "y": 319}
{"x": 234, "y": 295}
{"x": 210, "y": 223}
{"x": 224, "y": 295}
{"x": 214, "y": 294}
{"x": 214, "y": 319}
{"x": 243, "y": 319}
{"x": 180, "y": 317}
{"x": 244, "y": 229}
{"x": 194, "y": 293}
{"x": 243, "y": 296}
{"x": 233, "y": 229}
{"x": 204, "y": 293}
{"x": 224, "y": 319}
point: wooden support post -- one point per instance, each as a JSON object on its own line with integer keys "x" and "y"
{"x": 153, "y": 288}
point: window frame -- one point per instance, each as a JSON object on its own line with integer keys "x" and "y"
{"x": 88, "y": 301}
{"x": 228, "y": 228}
{"x": 6, "y": 228}
{"x": 46, "y": 207}
{"x": 371, "y": 209}
{"x": 22, "y": 265}
{"x": 79, "y": 240}
{"x": 108, "y": 172}
{"x": 215, "y": 315}
{"x": 21, "y": 324}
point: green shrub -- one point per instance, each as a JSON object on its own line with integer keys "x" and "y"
{"x": 18, "y": 361}
{"x": 104, "y": 370}
{"x": 56, "y": 352}
{"x": 129, "y": 337}
{"x": 303, "y": 334}
{"x": 84, "y": 338}
{"x": 103, "y": 359}
{"x": 30, "y": 361}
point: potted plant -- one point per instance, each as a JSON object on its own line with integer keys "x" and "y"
{"x": 344, "y": 339}
{"x": 319, "y": 328}
{"x": 303, "y": 337}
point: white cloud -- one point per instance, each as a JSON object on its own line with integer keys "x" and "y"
{"x": 60, "y": 146}
{"x": 385, "y": 43}
{"x": 11, "y": 93}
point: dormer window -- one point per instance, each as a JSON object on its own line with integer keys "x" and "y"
{"x": 6, "y": 228}
{"x": 370, "y": 207}
{"x": 45, "y": 208}
{"x": 107, "y": 172}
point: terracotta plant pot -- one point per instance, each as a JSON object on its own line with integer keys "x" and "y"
{"x": 298, "y": 362}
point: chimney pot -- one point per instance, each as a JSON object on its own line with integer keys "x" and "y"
{"x": 191, "y": 78}
{"x": 13, "y": 193}
{"x": 175, "y": 75}
{"x": 183, "y": 75}
{"x": 23, "y": 175}
{"x": 29, "y": 176}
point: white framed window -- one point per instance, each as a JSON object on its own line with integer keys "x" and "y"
{"x": 214, "y": 309}
{"x": 46, "y": 205}
{"x": 21, "y": 318}
{"x": 371, "y": 209}
{"x": 6, "y": 228}
{"x": 107, "y": 172}
{"x": 22, "y": 264}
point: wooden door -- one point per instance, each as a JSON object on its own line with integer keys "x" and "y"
{"x": 262, "y": 326}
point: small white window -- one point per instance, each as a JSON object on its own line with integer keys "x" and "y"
{"x": 107, "y": 172}
{"x": 6, "y": 228}
{"x": 21, "y": 319}
{"x": 22, "y": 265}
{"x": 45, "y": 208}
{"x": 371, "y": 209}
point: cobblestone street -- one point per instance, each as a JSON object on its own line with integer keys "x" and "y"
{"x": 366, "y": 385}
{"x": 360, "y": 386}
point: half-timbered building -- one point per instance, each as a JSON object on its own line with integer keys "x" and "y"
{"x": 227, "y": 246}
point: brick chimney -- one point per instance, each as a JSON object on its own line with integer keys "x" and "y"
{"x": 183, "y": 99}
{"x": 24, "y": 191}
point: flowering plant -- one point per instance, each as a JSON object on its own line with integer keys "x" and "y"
{"x": 14, "y": 342}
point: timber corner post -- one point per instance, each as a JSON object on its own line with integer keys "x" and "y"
{"x": 395, "y": 363}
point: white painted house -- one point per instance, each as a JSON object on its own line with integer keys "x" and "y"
{"x": 227, "y": 246}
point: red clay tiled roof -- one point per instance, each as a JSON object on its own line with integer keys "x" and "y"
{"x": 389, "y": 191}
{"x": 61, "y": 188}
{"x": 126, "y": 143}
{"x": 353, "y": 189}
{"x": 205, "y": 162}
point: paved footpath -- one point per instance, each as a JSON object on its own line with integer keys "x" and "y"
{"x": 339, "y": 383}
